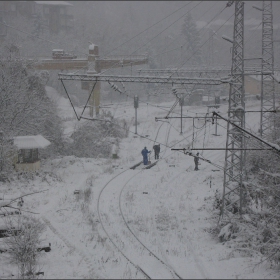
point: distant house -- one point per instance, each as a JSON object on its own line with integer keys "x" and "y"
{"x": 28, "y": 152}
{"x": 252, "y": 84}
{"x": 56, "y": 15}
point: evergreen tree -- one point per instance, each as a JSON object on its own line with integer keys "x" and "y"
{"x": 38, "y": 25}
{"x": 192, "y": 38}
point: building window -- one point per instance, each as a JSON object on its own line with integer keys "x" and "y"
{"x": 28, "y": 155}
{"x": 35, "y": 154}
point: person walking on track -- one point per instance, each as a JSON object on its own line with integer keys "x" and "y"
{"x": 145, "y": 153}
{"x": 156, "y": 150}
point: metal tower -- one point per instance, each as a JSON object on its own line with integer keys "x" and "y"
{"x": 210, "y": 58}
{"x": 234, "y": 159}
{"x": 267, "y": 85}
{"x": 210, "y": 52}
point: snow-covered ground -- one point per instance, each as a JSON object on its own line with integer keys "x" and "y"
{"x": 136, "y": 223}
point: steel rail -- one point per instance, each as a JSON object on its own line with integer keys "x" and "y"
{"x": 153, "y": 254}
{"x": 126, "y": 224}
{"x": 110, "y": 238}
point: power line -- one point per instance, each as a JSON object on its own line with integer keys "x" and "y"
{"x": 180, "y": 66}
{"x": 181, "y": 35}
{"x": 176, "y": 102}
{"x": 149, "y": 27}
{"x": 26, "y": 32}
{"x": 156, "y": 35}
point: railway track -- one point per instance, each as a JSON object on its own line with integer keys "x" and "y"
{"x": 118, "y": 231}
{"x": 122, "y": 237}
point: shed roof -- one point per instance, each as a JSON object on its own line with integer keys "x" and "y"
{"x": 31, "y": 142}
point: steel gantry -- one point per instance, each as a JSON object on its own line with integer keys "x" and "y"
{"x": 143, "y": 79}
{"x": 232, "y": 199}
{"x": 267, "y": 84}
{"x": 93, "y": 63}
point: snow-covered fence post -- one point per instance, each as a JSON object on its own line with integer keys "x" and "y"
{"x": 114, "y": 151}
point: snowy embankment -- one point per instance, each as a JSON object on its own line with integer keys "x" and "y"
{"x": 168, "y": 207}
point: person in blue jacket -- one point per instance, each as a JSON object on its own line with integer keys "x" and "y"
{"x": 145, "y": 153}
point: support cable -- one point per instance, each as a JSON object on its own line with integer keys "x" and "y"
{"x": 78, "y": 118}
{"x": 251, "y": 134}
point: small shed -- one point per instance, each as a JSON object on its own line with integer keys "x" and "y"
{"x": 28, "y": 154}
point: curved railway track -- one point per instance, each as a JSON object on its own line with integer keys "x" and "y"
{"x": 155, "y": 267}
{"x": 198, "y": 264}
{"x": 121, "y": 236}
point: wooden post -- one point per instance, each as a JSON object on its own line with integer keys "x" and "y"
{"x": 93, "y": 64}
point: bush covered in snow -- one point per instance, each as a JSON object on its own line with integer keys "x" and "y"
{"x": 258, "y": 229}
{"x": 22, "y": 246}
{"x": 94, "y": 139}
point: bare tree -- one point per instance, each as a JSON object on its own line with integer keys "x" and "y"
{"x": 22, "y": 243}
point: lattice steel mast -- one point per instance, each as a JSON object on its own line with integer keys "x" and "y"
{"x": 234, "y": 159}
{"x": 267, "y": 85}
{"x": 210, "y": 58}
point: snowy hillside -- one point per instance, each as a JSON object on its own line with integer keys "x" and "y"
{"x": 139, "y": 223}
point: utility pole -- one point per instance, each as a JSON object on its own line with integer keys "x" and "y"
{"x": 136, "y": 105}
{"x": 216, "y": 126}
{"x": 192, "y": 132}
{"x": 234, "y": 158}
{"x": 181, "y": 104}
{"x": 210, "y": 58}
{"x": 96, "y": 64}
{"x": 94, "y": 67}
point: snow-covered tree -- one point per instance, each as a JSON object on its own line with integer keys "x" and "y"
{"x": 258, "y": 231}
{"x": 7, "y": 152}
{"x": 95, "y": 139}
{"x": 192, "y": 38}
{"x": 25, "y": 109}
{"x": 39, "y": 25}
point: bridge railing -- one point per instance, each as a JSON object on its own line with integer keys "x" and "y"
{"x": 125, "y": 57}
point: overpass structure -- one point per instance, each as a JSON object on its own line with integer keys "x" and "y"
{"x": 82, "y": 63}
{"x": 91, "y": 63}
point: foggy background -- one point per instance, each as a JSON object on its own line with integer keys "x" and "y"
{"x": 141, "y": 27}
